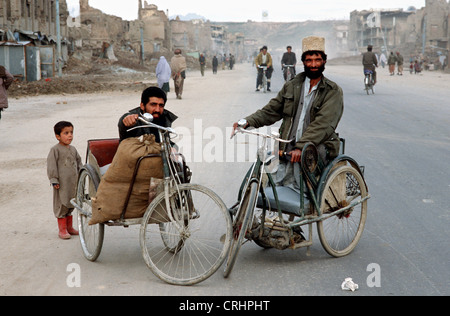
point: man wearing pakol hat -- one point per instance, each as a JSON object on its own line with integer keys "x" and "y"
{"x": 370, "y": 61}
{"x": 310, "y": 106}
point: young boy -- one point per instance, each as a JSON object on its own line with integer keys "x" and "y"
{"x": 63, "y": 165}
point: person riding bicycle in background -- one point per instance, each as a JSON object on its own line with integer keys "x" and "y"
{"x": 263, "y": 59}
{"x": 310, "y": 106}
{"x": 370, "y": 61}
{"x": 289, "y": 58}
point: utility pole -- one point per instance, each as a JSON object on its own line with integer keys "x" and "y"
{"x": 142, "y": 47}
{"x": 58, "y": 40}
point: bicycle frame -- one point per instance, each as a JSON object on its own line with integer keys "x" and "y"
{"x": 306, "y": 177}
{"x": 171, "y": 178}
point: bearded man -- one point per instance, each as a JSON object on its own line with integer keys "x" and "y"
{"x": 153, "y": 101}
{"x": 310, "y": 106}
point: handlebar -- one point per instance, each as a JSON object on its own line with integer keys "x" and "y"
{"x": 240, "y": 129}
{"x": 147, "y": 119}
{"x": 288, "y": 66}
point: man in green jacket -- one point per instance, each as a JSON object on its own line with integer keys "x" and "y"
{"x": 310, "y": 107}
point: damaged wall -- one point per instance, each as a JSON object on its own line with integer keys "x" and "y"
{"x": 33, "y": 16}
{"x": 424, "y": 32}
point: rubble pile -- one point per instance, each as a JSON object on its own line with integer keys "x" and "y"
{"x": 90, "y": 76}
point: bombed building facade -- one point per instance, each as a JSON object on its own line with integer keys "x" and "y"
{"x": 415, "y": 32}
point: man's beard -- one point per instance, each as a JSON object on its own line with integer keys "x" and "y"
{"x": 314, "y": 74}
{"x": 157, "y": 119}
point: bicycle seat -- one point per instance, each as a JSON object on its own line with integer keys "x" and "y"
{"x": 368, "y": 72}
{"x": 288, "y": 199}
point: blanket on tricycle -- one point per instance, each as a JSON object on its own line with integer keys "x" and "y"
{"x": 109, "y": 202}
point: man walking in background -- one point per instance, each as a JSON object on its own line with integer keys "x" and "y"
{"x": 178, "y": 65}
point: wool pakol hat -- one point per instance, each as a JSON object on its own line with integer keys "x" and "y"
{"x": 311, "y": 43}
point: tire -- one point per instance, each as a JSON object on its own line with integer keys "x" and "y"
{"x": 191, "y": 246}
{"x": 91, "y": 236}
{"x": 264, "y": 83}
{"x": 340, "y": 234}
{"x": 367, "y": 84}
{"x": 241, "y": 224}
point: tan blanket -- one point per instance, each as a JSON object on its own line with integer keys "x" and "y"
{"x": 113, "y": 189}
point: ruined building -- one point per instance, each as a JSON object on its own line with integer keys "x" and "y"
{"x": 32, "y": 16}
{"x": 415, "y": 32}
{"x": 28, "y": 34}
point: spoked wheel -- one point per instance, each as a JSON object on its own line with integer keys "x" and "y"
{"x": 340, "y": 234}
{"x": 188, "y": 245}
{"x": 241, "y": 224}
{"x": 91, "y": 236}
{"x": 264, "y": 83}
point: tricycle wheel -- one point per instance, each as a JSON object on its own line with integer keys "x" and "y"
{"x": 340, "y": 234}
{"x": 188, "y": 243}
{"x": 241, "y": 224}
{"x": 91, "y": 236}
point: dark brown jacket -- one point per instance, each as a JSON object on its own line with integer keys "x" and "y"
{"x": 6, "y": 79}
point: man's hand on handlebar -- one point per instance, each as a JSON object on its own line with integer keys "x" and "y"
{"x": 294, "y": 155}
{"x": 130, "y": 120}
{"x": 242, "y": 124}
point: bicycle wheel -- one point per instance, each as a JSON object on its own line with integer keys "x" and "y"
{"x": 91, "y": 236}
{"x": 189, "y": 245}
{"x": 264, "y": 83}
{"x": 340, "y": 234}
{"x": 241, "y": 224}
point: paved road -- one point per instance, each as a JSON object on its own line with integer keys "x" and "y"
{"x": 401, "y": 135}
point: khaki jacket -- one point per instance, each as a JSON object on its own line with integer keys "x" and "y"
{"x": 258, "y": 60}
{"x": 325, "y": 114}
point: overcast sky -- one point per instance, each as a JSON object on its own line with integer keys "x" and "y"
{"x": 241, "y": 10}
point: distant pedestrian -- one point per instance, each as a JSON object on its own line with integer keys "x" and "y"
{"x": 63, "y": 165}
{"x": 179, "y": 66}
{"x": 383, "y": 60}
{"x": 224, "y": 60}
{"x": 163, "y": 73}
{"x": 417, "y": 68}
{"x": 399, "y": 64}
{"x": 443, "y": 61}
{"x": 231, "y": 62}
{"x": 215, "y": 64}
{"x": 202, "y": 61}
{"x": 6, "y": 79}
{"x": 391, "y": 62}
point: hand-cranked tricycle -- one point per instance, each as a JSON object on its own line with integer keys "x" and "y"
{"x": 334, "y": 196}
{"x": 186, "y": 230}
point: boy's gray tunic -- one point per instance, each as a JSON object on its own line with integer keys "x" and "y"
{"x": 63, "y": 165}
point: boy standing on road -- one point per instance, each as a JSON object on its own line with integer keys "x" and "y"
{"x": 63, "y": 165}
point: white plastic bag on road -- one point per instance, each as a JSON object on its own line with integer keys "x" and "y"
{"x": 349, "y": 285}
